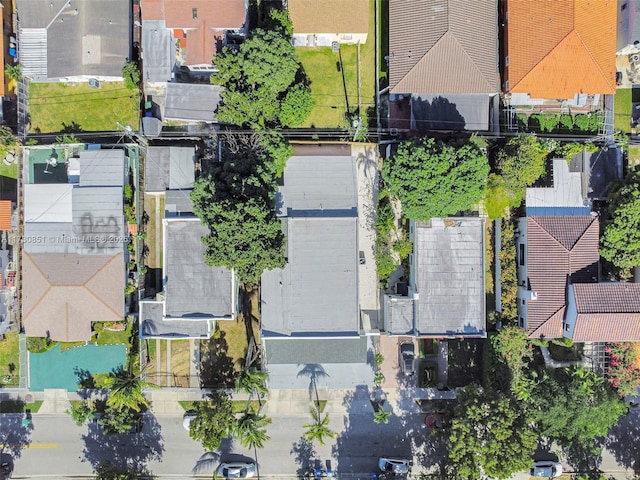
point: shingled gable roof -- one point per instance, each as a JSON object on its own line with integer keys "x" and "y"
{"x": 607, "y": 312}
{"x": 558, "y": 48}
{"x": 64, "y": 293}
{"x": 329, "y": 16}
{"x": 558, "y": 248}
{"x": 443, "y": 46}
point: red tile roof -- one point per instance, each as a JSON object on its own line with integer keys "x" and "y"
{"x": 558, "y": 248}
{"x": 607, "y": 312}
{"x": 5, "y": 214}
{"x": 204, "y": 22}
{"x": 558, "y": 48}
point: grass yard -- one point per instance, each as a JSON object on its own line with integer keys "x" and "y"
{"x": 64, "y": 346}
{"x": 180, "y": 361}
{"x": 634, "y": 155}
{"x": 60, "y": 107}
{"x": 327, "y": 87}
{"x": 236, "y": 339}
{"x": 10, "y": 171}
{"x": 9, "y": 361}
{"x": 18, "y": 406}
{"x": 622, "y": 110}
{"x": 106, "y": 336}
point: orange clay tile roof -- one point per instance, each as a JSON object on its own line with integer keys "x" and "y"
{"x": 5, "y": 215}
{"x": 558, "y": 48}
{"x": 329, "y": 16}
{"x": 204, "y": 21}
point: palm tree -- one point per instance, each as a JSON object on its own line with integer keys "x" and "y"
{"x": 382, "y": 416}
{"x": 127, "y": 391}
{"x": 13, "y": 72}
{"x": 319, "y": 429}
{"x": 252, "y": 381}
{"x": 251, "y": 430}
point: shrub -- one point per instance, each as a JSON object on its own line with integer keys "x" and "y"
{"x": 128, "y": 192}
{"x": 582, "y": 123}
{"x": 403, "y": 247}
{"x": 509, "y": 276}
{"x": 551, "y": 122}
{"x": 536, "y": 123}
{"x": 129, "y": 289}
{"x": 523, "y": 121}
{"x": 623, "y": 373}
{"x": 378, "y": 359}
{"x": 566, "y": 123}
{"x": 40, "y": 344}
{"x": 496, "y": 198}
{"x": 378, "y": 378}
{"x": 563, "y": 342}
{"x": 131, "y": 75}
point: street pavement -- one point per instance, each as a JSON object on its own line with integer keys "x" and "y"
{"x": 52, "y": 445}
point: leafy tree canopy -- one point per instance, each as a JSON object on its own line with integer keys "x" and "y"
{"x": 575, "y": 406}
{"x": 490, "y": 435}
{"x": 435, "y": 179}
{"x": 522, "y": 162}
{"x": 214, "y": 420}
{"x": 265, "y": 86}
{"x": 620, "y": 243}
{"x": 236, "y": 201}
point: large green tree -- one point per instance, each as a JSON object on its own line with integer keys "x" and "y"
{"x": 522, "y": 161}
{"x": 436, "y": 179}
{"x": 575, "y": 406}
{"x": 264, "y": 85}
{"x": 127, "y": 391}
{"x": 236, "y": 200}
{"x": 490, "y": 435}
{"x": 620, "y": 243}
{"x": 214, "y": 420}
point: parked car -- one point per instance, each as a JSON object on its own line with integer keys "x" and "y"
{"x": 186, "y": 420}
{"x": 237, "y": 470}
{"x": 546, "y": 469}
{"x": 396, "y": 466}
{"x": 407, "y": 357}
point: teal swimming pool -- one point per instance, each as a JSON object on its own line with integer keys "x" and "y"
{"x": 56, "y": 369}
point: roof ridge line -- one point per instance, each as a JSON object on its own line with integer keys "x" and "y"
{"x": 549, "y": 234}
{"x": 94, "y": 276}
{"x": 420, "y": 59}
{"x": 545, "y": 56}
{"x": 589, "y": 225}
{"x": 550, "y": 317}
{"x": 591, "y": 56}
{"x": 464, "y": 50}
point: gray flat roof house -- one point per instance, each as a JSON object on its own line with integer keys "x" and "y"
{"x": 79, "y": 38}
{"x": 195, "y": 295}
{"x": 310, "y": 311}
{"x": 446, "y": 291}
{"x": 192, "y": 102}
{"x": 169, "y": 168}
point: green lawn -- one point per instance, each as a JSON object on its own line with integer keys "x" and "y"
{"x": 327, "y": 87}
{"x": 112, "y": 337}
{"x": 58, "y": 107}
{"x": 18, "y": 406}
{"x": 10, "y": 171}
{"x": 239, "y": 406}
{"x": 236, "y": 339}
{"x": 9, "y": 361}
{"x": 622, "y": 110}
{"x": 634, "y": 155}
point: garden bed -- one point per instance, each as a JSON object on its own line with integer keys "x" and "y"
{"x": 566, "y": 354}
{"x": 427, "y": 374}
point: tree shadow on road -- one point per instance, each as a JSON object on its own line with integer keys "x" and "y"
{"x": 208, "y": 461}
{"x": 15, "y": 433}
{"x": 125, "y": 452}
{"x": 585, "y": 458}
{"x": 622, "y": 441}
{"x": 304, "y": 454}
{"x": 362, "y": 441}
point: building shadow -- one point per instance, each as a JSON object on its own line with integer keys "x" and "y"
{"x": 436, "y": 113}
{"x": 217, "y": 368}
{"x": 125, "y": 452}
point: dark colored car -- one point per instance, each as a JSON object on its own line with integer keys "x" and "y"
{"x": 407, "y": 357}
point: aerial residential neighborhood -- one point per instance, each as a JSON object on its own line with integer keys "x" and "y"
{"x": 366, "y": 239}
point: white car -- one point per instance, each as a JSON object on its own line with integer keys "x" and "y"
{"x": 187, "y": 419}
{"x": 546, "y": 469}
{"x": 236, "y": 470}
{"x": 396, "y": 466}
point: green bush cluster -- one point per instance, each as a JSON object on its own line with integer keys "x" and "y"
{"x": 509, "y": 274}
{"x": 554, "y": 123}
{"x": 40, "y": 344}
